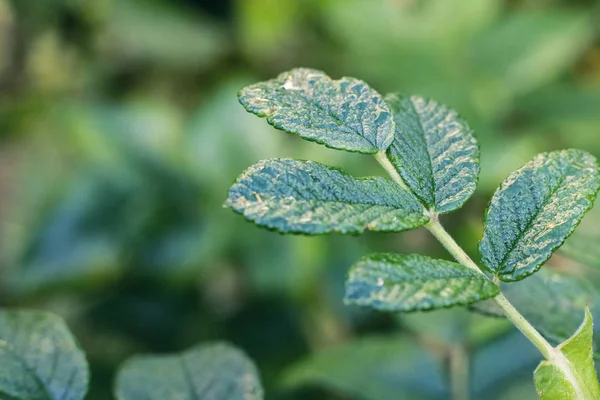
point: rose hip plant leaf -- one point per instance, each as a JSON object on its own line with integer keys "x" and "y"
{"x": 401, "y": 282}
{"x": 433, "y": 163}
{"x": 434, "y": 152}
{"x": 535, "y": 210}
{"x": 343, "y": 114}
{"x": 39, "y": 358}
{"x": 550, "y": 379}
{"x": 207, "y": 371}
{"x": 307, "y": 197}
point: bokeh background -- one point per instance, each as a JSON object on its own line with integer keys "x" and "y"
{"x": 120, "y": 134}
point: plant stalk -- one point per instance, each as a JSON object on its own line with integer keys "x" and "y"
{"x": 509, "y": 310}
{"x": 382, "y": 159}
{"x": 450, "y": 244}
{"x": 550, "y": 353}
{"x": 459, "y": 372}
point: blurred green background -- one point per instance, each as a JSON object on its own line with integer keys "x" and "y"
{"x": 121, "y": 133}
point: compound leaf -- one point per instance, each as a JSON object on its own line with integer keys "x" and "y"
{"x": 410, "y": 282}
{"x": 434, "y": 151}
{"x": 208, "y": 371}
{"x": 307, "y": 197}
{"x": 39, "y": 358}
{"x": 535, "y": 209}
{"x": 551, "y": 381}
{"x": 344, "y": 114}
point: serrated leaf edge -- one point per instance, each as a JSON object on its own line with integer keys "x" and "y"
{"x": 472, "y": 275}
{"x": 505, "y": 277}
{"x": 227, "y": 204}
{"x": 561, "y": 361}
{"x": 471, "y": 132}
{"x": 316, "y": 139}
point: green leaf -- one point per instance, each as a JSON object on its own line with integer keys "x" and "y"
{"x": 553, "y": 383}
{"x": 39, "y": 358}
{"x": 551, "y": 302}
{"x": 434, "y": 151}
{"x": 372, "y": 368}
{"x": 535, "y": 209}
{"x": 411, "y": 282}
{"x": 208, "y": 371}
{"x": 583, "y": 247}
{"x": 343, "y": 114}
{"x": 307, "y": 197}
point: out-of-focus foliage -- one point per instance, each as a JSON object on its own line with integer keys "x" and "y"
{"x": 388, "y": 366}
{"x": 215, "y": 370}
{"x": 121, "y": 133}
{"x": 39, "y": 357}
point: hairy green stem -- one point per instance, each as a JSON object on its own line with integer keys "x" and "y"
{"x": 512, "y": 314}
{"x": 448, "y": 242}
{"x": 382, "y": 159}
{"x": 525, "y": 327}
{"x": 510, "y": 311}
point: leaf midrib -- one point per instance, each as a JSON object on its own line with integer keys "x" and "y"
{"x": 429, "y": 157}
{"x": 187, "y": 376}
{"x": 339, "y": 121}
{"x": 529, "y": 224}
{"x": 440, "y": 278}
{"x": 7, "y": 396}
{"x": 336, "y": 202}
{"x": 16, "y": 356}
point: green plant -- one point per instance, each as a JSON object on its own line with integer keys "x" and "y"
{"x": 432, "y": 158}
{"x": 40, "y": 360}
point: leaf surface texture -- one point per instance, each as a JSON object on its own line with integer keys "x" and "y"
{"x": 344, "y": 114}
{"x": 410, "y": 282}
{"x": 434, "y": 152}
{"x": 311, "y": 198}
{"x": 535, "y": 209}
